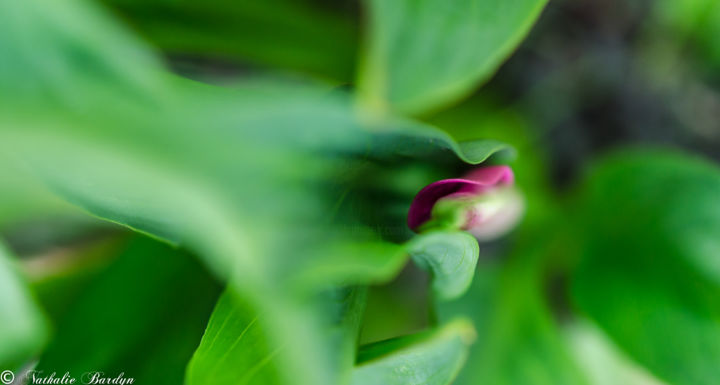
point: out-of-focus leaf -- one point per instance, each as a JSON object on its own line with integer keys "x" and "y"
{"x": 78, "y": 57}
{"x": 424, "y": 54}
{"x": 23, "y": 328}
{"x": 235, "y": 348}
{"x": 59, "y": 277}
{"x": 284, "y": 34}
{"x": 353, "y": 263}
{"x": 450, "y": 256}
{"x": 693, "y": 21}
{"x": 22, "y": 197}
{"x": 396, "y": 308}
{"x": 603, "y": 362}
{"x": 518, "y": 343}
{"x": 144, "y": 316}
{"x": 650, "y": 269}
{"x": 429, "y": 358}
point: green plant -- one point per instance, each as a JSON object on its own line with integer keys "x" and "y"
{"x": 262, "y": 212}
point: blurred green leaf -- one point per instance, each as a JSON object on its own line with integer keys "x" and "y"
{"x": 650, "y": 272}
{"x": 23, "y": 328}
{"x": 60, "y": 276}
{"x": 693, "y": 21}
{"x": 425, "y": 54}
{"x": 23, "y": 198}
{"x": 397, "y": 308}
{"x": 603, "y": 362}
{"x": 518, "y": 341}
{"x": 349, "y": 263}
{"x": 143, "y": 316}
{"x": 280, "y": 34}
{"x": 429, "y": 358}
{"x": 450, "y": 256}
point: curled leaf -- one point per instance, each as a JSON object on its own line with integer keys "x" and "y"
{"x": 450, "y": 256}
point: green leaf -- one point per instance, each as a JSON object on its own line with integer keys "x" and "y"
{"x": 143, "y": 316}
{"x": 425, "y": 54}
{"x": 23, "y": 328}
{"x": 348, "y": 263}
{"x": 60, "y": 277}
{"x": 650, "y": 273}
{"x": 236, "y": 350}
{"x": 22, "y": 198}
{"x": 450, "y": 256}
{"x": 478, "y": 151}
{"x": 280, "y": 34}
{"x": 603, "y": 362}
{"x": 429, "y": 358}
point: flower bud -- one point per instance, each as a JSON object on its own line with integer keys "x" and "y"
{"x": 484, "y": 203}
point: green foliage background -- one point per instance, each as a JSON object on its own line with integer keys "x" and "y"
{"x": 216, "y": 193}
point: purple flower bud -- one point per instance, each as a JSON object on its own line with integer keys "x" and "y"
{"x": 484, "y": 202}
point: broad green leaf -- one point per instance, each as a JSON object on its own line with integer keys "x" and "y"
{"x": 603, "y": 362}
{"x": 429, "y": 358}
{"x": 78, "y": 55}
{"x": 650, "y": 269}
{"x": 236, "y": 350}
{"x": 423, "y": 54}
{"x": 23, "y": 198}
{"x": 283, "y": 34}
{"x": 518, "y": 342}
{"x": 143, "y": 316}
{"x": 23, "y": 328}
{"x": 450, "y": 256}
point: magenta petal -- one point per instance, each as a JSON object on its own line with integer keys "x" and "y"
{"x": 421, "y": 207}
{"x": 477, "y": 181}
{"x": 492, "y": 175}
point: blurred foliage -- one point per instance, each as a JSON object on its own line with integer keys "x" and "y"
{"x": 414, "y": 61}
{"x": 651, "y": 280}
{"x": 309, "y": 36}
{"x": 24, "y": 329}
{"x": 149, "y": 281}
{"x": 518, "y": 341}
{"x": 272, "y": 148}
